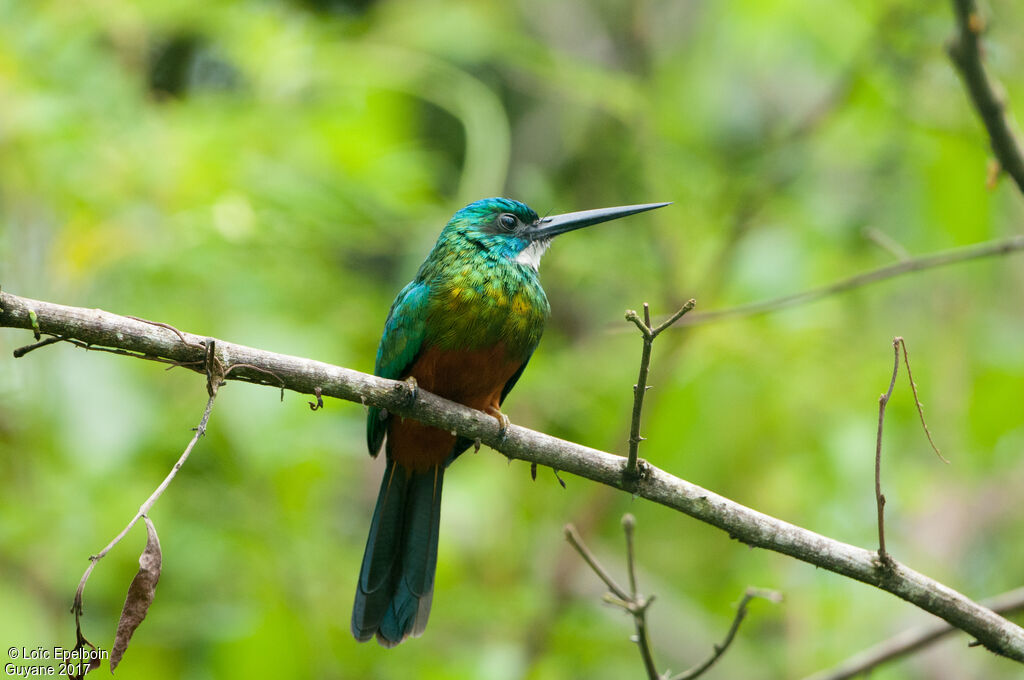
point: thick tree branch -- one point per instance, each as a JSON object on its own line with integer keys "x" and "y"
{"x": 749, "y": 526}
{"x": 966, "y": 53}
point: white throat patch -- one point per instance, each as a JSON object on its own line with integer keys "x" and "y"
{"x": 531, "y": 254}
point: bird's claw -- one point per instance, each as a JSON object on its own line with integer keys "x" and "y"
{"x": 476, "y": 445}
{"x": 502, "y": 419}
{"x": 414, "y": 389}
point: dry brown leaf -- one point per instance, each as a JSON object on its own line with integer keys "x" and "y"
{"x": 140, "y": 595}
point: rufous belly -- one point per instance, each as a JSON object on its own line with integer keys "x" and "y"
{"x": 471, "y": 377}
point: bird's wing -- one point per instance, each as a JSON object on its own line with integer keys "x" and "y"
{"x": 515, "y": 378}
{"x": 399, "y": 346}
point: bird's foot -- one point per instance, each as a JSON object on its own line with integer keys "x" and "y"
{"x": 502, "y": 419}
{"x": 476, "y": 445}
{"x": 414, "y": 390}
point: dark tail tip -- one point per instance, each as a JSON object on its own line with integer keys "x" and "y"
{"x": 396, "y": 582}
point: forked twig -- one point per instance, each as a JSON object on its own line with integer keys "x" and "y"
{"x": 636, "y": 604}
{"x": 631, "y": 471}
{"x": 883, "y": 400}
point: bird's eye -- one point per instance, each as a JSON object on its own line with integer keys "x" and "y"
{"x": 508, "y": 221}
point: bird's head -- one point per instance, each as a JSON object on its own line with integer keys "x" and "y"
{"x": 510, "y": 229}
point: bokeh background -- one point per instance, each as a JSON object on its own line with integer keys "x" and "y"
{"x": 272, "y": 172}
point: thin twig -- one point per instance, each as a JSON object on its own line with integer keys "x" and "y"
{"x": 575, "y": 541}
{"x": 719, "y": 649}
{"x": 977, "y": 251}
{"x": 879, "y": 497}
{"x": 632, "y": 472}
{"x": 966, "y": 53}
{"x": 76, "y": 607}
{"x": 912, "y": 640}
{"x": 22, "y": 351}
{"x": 687, "y": 306}
{"x": 161, "y": 324}
{"x": 264, "y": 371}
{"x": 636, "y": 605}
{"x": 917, "y": 402}
{"x": 639, "y": 390}
{"x": 886, "y": 243}
{"x": 643, "y": 642}
{"x": 897, "y": 343}
{"x": 628, "y": 525}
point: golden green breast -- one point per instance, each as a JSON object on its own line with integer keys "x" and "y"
{"x": 481, "y": 305}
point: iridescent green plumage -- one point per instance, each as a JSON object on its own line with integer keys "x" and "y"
{"x": 465, "y": 328}
{"x": 469, "y": 293}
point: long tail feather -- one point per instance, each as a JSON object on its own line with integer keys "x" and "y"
{"x": 396, "y": 583}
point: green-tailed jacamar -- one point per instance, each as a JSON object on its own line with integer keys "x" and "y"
{"x": 464, "y": 328}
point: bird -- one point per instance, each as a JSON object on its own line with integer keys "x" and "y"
{"x": 464, "y": 329}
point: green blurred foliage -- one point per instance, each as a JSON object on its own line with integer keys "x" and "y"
{"x": 272, "y": 172}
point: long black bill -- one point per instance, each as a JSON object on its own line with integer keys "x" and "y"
{"x": 548, "y": 227}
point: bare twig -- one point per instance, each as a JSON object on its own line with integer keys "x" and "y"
{"x": 632, "y": 603}
{"x": 977, "y": 251}
{"x": 628, "y": 527}
{"x": 22, "y": 351}
{"x": 76, "y": 607}
{"x": 966, "y": 53}
{"x": 879, "y": 498}
{"x": 917, "y": 402}
{"x": 897, "y": 343}
{"x": 643, "y": 642}
{"x": 632, "y": 471}
{"x": 639, "y": 391}
{"x": 160, "y": 324}
{"x": 79, "y": 649}
{"x": 687, "y": 306}
{"x": 636, "y": 604}
{"x": 886, "y": 243}
{"x": 214, "y": 377}
{"x": 266, "y": 372}
{"x": 745, "y": 524}
{"x": 576, "y": 542}
{"x": 912, "y": 640}
{"x": 719, "y": 649}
